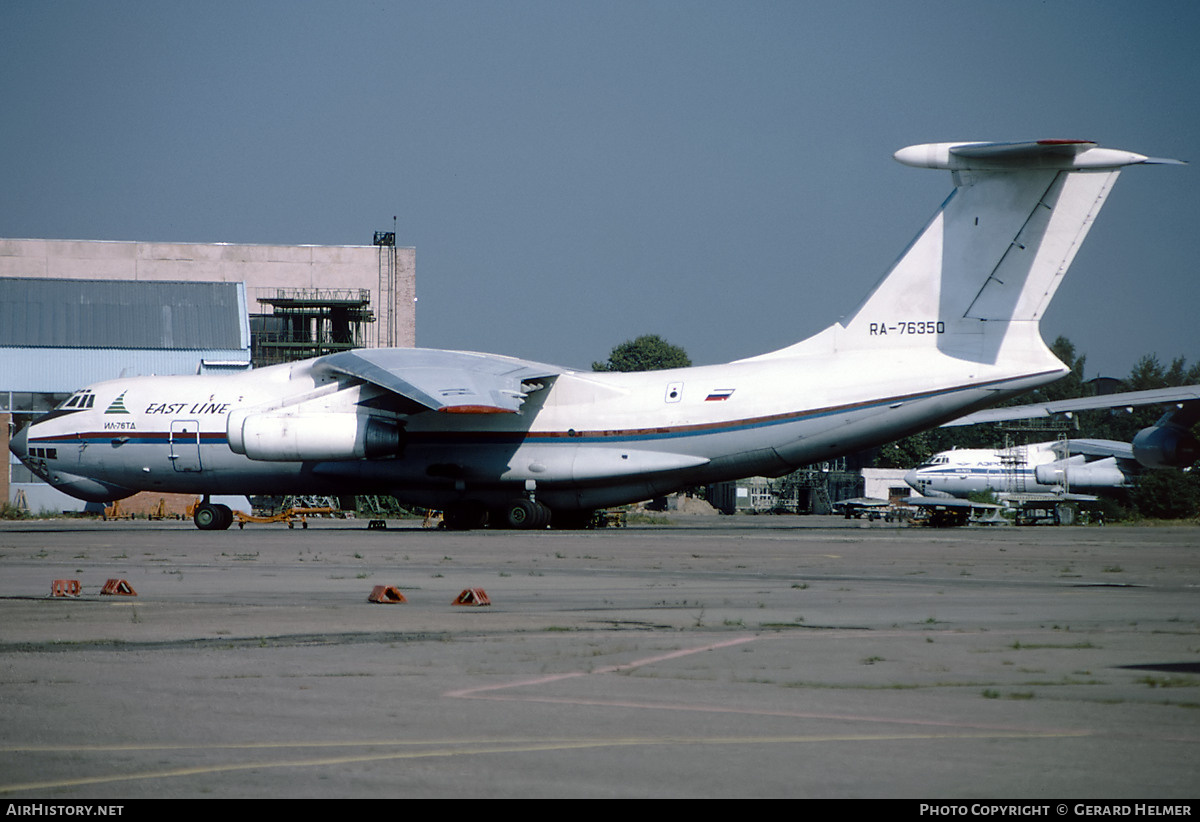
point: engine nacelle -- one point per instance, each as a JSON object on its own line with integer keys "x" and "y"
{"x": 1099, "y": 474}
{"x": 279, "y": 436}
{"x": 1166, "y": 446}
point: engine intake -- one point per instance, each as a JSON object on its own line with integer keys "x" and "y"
{"x": 1099, "y": 474}
{"x": 1166, "y": 446}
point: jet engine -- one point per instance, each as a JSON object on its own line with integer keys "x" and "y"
{"x": 1077, "y": 473}
{"x": 280, "y": 436}
{"x": 1166, "y": 446}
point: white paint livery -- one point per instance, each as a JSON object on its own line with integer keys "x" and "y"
{"x": 952, "y": 327}
{"x": 1055, "y": 467}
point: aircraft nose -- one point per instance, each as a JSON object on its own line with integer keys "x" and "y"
{"x": 913, "y": 479}
{"x": 19, "y": 444}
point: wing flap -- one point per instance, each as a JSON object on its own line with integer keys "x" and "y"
{"x": 457, "y": 382}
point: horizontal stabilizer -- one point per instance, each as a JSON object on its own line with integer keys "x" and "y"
{"x": 1065, "y": 155}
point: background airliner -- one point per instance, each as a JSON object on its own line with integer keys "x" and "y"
{"x": 1067, "y": 464}
{"x": 951, "y": 328}
{"x": 1058, "y": 466}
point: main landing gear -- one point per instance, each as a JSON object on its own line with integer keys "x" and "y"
{"x": 520, "y": 514}
{"x": 524, "y": 514}
{"x": 212, "y": 517}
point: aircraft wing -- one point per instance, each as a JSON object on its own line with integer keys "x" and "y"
{"x": 1093, "y": 448}
{"x": 864, "y": 502}
{"x": 1157, "y": 396}
{"x": 949, "y": 503}
{"x": 457, "y": 382}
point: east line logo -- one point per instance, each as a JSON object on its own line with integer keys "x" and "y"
{"x": 117, "y": 406}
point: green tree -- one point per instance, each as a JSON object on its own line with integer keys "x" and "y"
{"x": 648, "y": 352}
{"x": 1067, "y": 387}
{"x": 1167, "y": 493}
{"x": 1114, "y": 424}
{"x": 1148, "y": 373}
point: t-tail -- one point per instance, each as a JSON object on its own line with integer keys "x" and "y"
{"x": 976, "y": 281}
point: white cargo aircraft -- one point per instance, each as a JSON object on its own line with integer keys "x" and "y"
{"x": 1069, "y": 464}
{"x": 1055, "y": 467}
{"x": 951, "y": 328}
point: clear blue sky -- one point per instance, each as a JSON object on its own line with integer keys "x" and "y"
{"x": 573, "y": 174}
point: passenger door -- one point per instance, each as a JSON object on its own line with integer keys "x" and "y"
{"x": 185, "y": 445}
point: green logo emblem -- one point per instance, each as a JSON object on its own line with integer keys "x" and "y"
{"x": 117, "y": 406}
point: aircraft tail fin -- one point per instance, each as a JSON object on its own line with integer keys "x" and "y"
{"x": 990, "y": 260}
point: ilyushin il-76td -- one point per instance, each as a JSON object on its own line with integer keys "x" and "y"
{"x": 952, "y": 327}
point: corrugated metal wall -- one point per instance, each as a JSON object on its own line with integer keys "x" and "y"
{"x": 55, "y": 313}
{"x": 59, "y": 335}
{"x": 57, "y": 370}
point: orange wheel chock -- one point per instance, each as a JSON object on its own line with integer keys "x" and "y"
{"x": 118, "y": 587}
{"x": 65, "y": 588}
{"x": 386, "y": 594}
{"x": 473, "y": 596}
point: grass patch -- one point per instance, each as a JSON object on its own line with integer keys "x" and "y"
{"x": 646, "y": 519}
{"x": 1168, "y": 681}
{"x": 1038, "y": 646}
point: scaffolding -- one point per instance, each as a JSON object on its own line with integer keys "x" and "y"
{"x": 814, "y": 488}
{"x": 1014, "y": 463}
{"x": 385, "y": 329}
{"x": 309, "y": 322}
{"x": 1014, "y": 458}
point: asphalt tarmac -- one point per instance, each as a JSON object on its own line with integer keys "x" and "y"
{"x": 712, "y": 657}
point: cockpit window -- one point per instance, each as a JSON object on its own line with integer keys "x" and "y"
{"x": 79, "y": 400}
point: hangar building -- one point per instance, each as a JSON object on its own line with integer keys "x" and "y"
{"x": 74, "y": 312}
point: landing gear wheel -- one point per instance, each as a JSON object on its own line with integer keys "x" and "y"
{"x": 525, "y": 514}
{"x": 209, "y": 517}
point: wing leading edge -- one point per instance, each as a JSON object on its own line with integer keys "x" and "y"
{"x": 1155, "y": 396}
{"x": 456, "y": 382}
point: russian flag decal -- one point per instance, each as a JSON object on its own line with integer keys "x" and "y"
{"x": 719, "y": 394}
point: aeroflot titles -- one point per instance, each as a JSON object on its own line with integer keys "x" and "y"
{"x": 1080, "y": 809}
